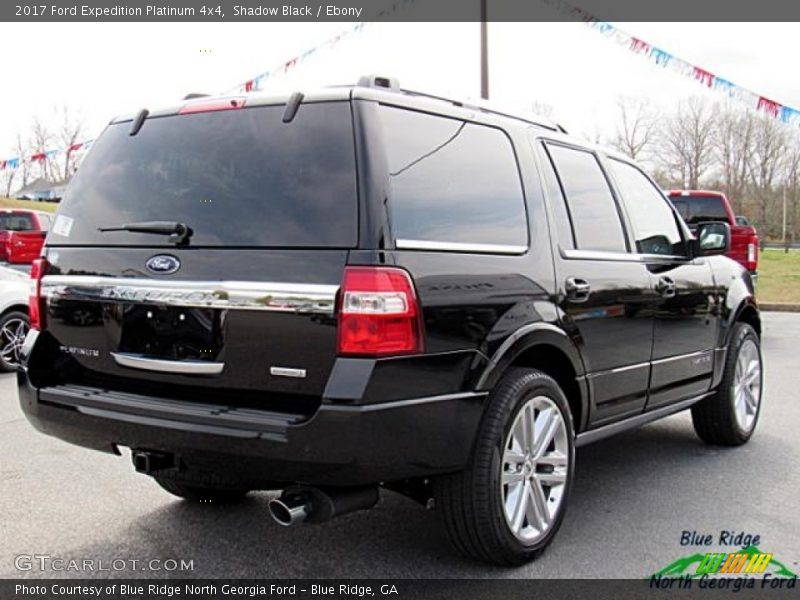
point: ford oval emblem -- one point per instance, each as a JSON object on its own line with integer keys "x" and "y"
{"x": 163, "y": 264}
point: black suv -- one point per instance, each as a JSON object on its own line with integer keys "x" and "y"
{"x": 365, "y": 287}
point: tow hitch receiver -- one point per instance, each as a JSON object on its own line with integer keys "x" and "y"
{"x": 148, "y": 461}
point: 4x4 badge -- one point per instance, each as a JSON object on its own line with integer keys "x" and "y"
{"x": 163, "y": 264}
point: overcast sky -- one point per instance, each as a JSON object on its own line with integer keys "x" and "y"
{"x": 104, "y": 69}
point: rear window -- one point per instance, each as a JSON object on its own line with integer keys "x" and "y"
{"x": 452, "y": 182}
{"x": 16, "y": 222}
{"x": 236, "y": 177}
{"x": 696, "y": 209}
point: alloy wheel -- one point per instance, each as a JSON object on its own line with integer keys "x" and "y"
{"x": 747, "y": 385}
{"x": 534, "y": 469}
{"x": 12, "y": 336}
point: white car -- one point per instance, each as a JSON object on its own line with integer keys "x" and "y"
{"x": 13, "y": 316}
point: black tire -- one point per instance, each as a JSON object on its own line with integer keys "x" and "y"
{"x": 10, "y": 361}
{"x": 714, "y": 418}
{"x": 205, "y": 488}
{"x": 471, "y": 502}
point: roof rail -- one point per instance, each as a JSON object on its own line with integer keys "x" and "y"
{"x": 379, "y": 81}
{"x": 482, "y": 107}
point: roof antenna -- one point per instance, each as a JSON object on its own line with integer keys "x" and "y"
{"x": 138, "y": 121}
{"x": 291, "y": 107}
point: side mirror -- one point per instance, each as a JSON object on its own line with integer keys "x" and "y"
{"x": 711, "y": 238}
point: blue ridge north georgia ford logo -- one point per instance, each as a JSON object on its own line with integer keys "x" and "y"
{"x": 163, "y": 264}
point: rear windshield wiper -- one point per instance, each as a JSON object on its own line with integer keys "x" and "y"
{"x": 178, "y": 233}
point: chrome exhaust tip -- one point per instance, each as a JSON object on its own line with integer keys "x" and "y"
{"x": 288, "y": 511}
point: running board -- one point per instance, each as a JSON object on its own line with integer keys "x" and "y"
{"x": 594, "y": 435}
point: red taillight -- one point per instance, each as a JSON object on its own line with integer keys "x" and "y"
{"x": 379, "y": 314}
{"x": 36, "y": 303}
{"x": 199, "y": 106}
{"x": 752, "y": 253}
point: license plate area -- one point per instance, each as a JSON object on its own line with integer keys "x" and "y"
{"x": 174, "y": 333}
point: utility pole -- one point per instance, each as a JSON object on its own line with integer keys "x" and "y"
{"x": 484, "y": 52}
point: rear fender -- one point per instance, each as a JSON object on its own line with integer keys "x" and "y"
{"x": 526, "y": 338}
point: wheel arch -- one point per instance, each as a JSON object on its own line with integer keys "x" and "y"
{"x": 545, "y": 347}
{"x": 23, "y": 308}
{"x": 747, "y": 312}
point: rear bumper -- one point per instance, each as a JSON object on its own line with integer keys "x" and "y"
{"x": 338, "y": 445}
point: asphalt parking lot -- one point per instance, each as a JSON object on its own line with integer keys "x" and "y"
{"x": 634, "y": 496}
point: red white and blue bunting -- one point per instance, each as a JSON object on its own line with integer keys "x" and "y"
{"x": 41, "y": 158}
{"x": 257, "y": 83}
{"x": 665, "y": 60}
{"x": 659, "y": 57}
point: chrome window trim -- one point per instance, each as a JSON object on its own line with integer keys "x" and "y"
{"x": 227, "y": 295}
{"x": 570, "y": 254}
{"x": 404, "y": 244}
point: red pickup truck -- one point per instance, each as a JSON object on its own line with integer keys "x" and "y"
{"x": 22, "y": 234}
{"x": 696, "y": 206}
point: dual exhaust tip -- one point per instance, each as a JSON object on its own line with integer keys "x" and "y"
{"x": 305, "y": 504}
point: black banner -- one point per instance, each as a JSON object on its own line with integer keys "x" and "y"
{"x": 401, "y": 589}
{"x": 396, "y": 10}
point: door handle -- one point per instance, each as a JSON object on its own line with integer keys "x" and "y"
{"x": 578, "y": 290}
{"x": 666, "y": 287}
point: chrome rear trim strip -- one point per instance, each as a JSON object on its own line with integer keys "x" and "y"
{"x": 183, "y": 367}
{"x": 233, "y": 295}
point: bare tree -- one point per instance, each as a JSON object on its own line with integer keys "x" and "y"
{"x": 792, "y": 191}
{"x": 543, "y": 109}
{"x": 70, "y": 131}
{"x": 24, "y": 167}
{"x": 41, "y": 139}
{"x": 21, "y": 173}
{"x": 732, "y": 139}
{"x": 687, "y": 142}
{"x": 767, "y": 161}
{"x": 637, "y": 127}
{"x": 8, "y": 180}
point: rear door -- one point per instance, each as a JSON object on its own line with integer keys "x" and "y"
{"x": 604, "y": 293}
{"x": 247, "y": 304}
{"x": 686, "y": 320}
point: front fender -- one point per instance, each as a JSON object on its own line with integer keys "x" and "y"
{"x": 738, "y": 298}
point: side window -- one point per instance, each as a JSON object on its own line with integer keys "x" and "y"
{"x": 452, "y": 182}
{"x": 563, "y": 224}
{"x": 652, "y": 219}
{"x": 594, "y": 215}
